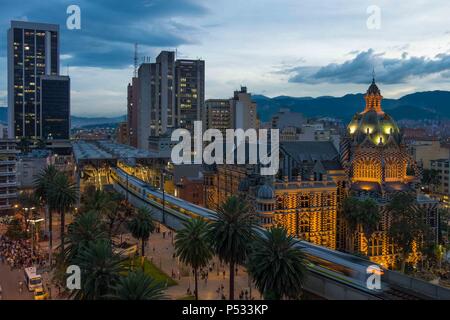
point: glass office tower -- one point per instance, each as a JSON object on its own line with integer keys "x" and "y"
{"x": 55, "y": 107}
{"x": 33, "y": 51}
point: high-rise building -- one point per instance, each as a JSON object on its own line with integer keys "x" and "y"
{"x": 33, "y": 51}
{"x": 164, "y": 115}
{"x": 55, "y": 107}
{"x": 132, "y": 111}
{"x": 244, "y": 110}
{"x": 218, "y": 114}
{"x": 8, "y": 174}
{"x": 147, "y": 115}
{"x": 190, "y": 92}
{"x": 166, "y": 94}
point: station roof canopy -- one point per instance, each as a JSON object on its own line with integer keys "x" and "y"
{"x": 95, "y": 150}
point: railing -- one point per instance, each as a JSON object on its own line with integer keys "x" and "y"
{"x": 416, "y": 285}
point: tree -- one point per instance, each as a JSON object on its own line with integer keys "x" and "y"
{"x": 85, "y": 230}
{"x": 232, "y": 231}
{"x": 43, "y": 184}
{"x": 193, "y": 247}
{"x": 137, "y": 286}
{"x": 100, "y": 271}
{"x": 276, "y": 265}
{"x": 361, "y": 215}
{"x": 141, "y": 226}
{"x": 407, "y": 225}
{"x": 63, "y": 195}
{"x": 430, "y": 178}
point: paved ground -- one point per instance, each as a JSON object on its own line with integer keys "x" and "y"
{"x": 160, "y": 250}
{"x": 9, "y": 281}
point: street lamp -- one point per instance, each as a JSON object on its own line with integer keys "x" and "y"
{"x": 163, "y": 174}
{"x": 33, "y": 223}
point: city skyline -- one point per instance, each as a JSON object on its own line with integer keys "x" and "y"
{"x": 255, "y": 44}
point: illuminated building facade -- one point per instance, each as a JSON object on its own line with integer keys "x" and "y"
{"x": 379, "y": 166}
{"x": 190, "y": 92}
{"x": 302, "y": 197}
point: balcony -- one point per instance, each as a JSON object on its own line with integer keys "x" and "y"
{"x": 8, "y": 184}
{"x": 7, "y": 173}
{"x": 8, "y": 195}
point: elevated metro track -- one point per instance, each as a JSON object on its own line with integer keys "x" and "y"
{"x": 331, "y": 274}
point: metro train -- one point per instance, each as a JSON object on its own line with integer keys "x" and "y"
{"x": 339, "y": 266}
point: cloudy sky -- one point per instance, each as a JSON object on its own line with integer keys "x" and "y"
{"x": 274, "y": 47}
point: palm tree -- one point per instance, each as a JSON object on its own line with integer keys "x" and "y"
{"x": 231, "y": 232}
{"x": 100, "y": 271}
{"x": 141, "y": 226}
{"x": 43, "y": 184}
{"x": 98, "y": 200}
{"x": 86, "y": 229}
{"x": 137, "y": 286}
{"x": 63, "y": 195}
{"x": 193, "y": 247}
{"x": 276, "y": 266}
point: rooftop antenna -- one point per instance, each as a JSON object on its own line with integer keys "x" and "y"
{"x": 176, "y": 52}
{"x": 135, "y": 59}
{"x": 373, "y": 74}
{"x": 68, "y": 69}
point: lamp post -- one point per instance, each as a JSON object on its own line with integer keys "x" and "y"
{"x": 33, "y": 229}
{"x": 164, "y": 196}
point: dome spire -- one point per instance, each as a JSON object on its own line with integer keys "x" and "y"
{"x": 373, "y": 96}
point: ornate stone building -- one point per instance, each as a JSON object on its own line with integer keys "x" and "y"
{"x": 302, "y": 197}
{"x": 379, "y": 166}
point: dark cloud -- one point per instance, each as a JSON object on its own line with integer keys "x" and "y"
{"x": 109, "y": 28}
{"x": 359, "y": 69}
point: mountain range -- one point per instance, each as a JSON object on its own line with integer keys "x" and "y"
{"x": 419, "y": 105}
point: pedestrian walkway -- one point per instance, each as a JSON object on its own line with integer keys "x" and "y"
{"x": 160, "y": 250}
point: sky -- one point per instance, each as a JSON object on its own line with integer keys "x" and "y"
{"x": 277, "y": 47}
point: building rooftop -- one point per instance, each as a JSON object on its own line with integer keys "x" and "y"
{"x": 310, "y": 150}
{"x": 106, "y": 149}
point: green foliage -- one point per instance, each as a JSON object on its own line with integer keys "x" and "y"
{"x": 142, "y": 225}
{"x": 100, "y": 271}
{"x": 137, "y": 285}
{"x": 193, "y": 247}
{"x": 152, "y": 271}
{"x": 407, "y": 224}
{"x": 276, "y": 266}
{"x": 361, "y": 212}
{"x": 86, "y": 229}
{"x": 232, "y": 232}
{"x": 430, "y": 177}
{"x": 192, "y": 244}
{"x": 15, "y": 230}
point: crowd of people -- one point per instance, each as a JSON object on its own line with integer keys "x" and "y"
{"x": 18, "y": 254}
